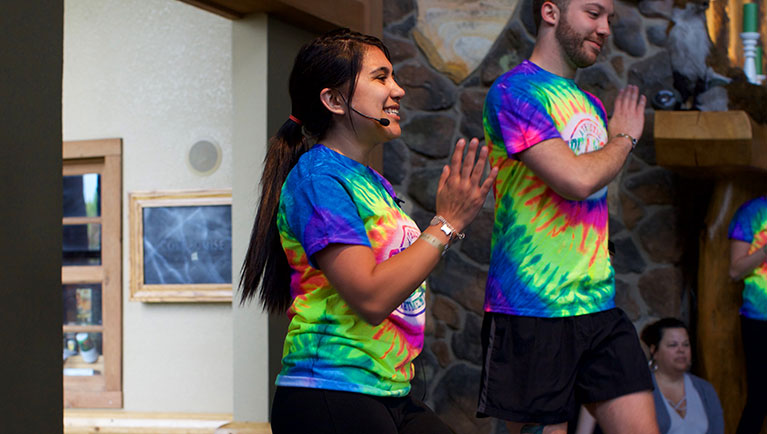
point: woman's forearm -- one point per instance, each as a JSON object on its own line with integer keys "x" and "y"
{"x": 741, "y": 262}
{"x": 374, "y": 290}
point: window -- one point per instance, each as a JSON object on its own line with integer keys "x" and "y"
{"x": 91, "y": 274}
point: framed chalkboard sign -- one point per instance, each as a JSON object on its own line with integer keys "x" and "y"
{"x": 181, "y": 246}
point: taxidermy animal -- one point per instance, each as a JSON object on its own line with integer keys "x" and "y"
{"x": 689, "y": 46}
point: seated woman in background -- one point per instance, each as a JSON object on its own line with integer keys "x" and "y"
{"x": 684, "y": 403}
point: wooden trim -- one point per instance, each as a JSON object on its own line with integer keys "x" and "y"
{"x": 189, "y": 197}
{"x": 82, "y": 274}
{"x": 90, "y": 384}
{"x": 83, "y": 328}
{"x": 103, "y": 157}
{"x": 216, "y": 8}
{"x": 204, "y": 293}
{"x": 139, "y": 291}
{"x": 365, "y": 16}
{"x": 77, "y": 361}
{"x": 344, "y": 13}
{"x": 111, "y": 252}
{"x": 92, "y": 148}
{"x": 80, "y": 220}
{"x": 92, "y": 399}
{"x": 162, "y": 199}
{"x": 119, "y": 422}
{"x": 83, "y": 166}
{"x": 245, "y": 428}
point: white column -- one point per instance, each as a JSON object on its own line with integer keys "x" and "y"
{"x": 250, "y": 326}
{"x": 750, "y": 40}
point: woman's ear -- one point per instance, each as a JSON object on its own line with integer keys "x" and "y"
{"x": 652, "y": 350}
{"x": 550, "y": 13}
{"x": 332, "y": 101}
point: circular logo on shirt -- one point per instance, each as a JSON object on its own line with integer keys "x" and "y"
{"x": 409, "y": 235}
{"x": 584, "y": 133}
{"x": 415, "y": 304}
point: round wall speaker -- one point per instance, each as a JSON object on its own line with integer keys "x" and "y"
{"x": 204, "y": 157}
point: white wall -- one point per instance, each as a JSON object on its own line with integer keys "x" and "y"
{"x": 158, "y": 74}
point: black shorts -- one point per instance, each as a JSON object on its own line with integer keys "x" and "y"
{"x": 540, "y": 370}
{"x": 299, "y": 410}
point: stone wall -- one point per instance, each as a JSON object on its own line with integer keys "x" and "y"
{"x": 655, "y": 215}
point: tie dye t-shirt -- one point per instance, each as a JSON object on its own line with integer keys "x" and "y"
{"x": 549, "y": 254}
{"x": 329, "y": 198}
{"x": 749, "y": 224}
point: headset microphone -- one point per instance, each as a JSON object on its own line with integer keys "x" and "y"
{"x": 383, "y": 121}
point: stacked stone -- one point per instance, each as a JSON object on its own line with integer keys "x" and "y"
{"x": 654, "y": 214}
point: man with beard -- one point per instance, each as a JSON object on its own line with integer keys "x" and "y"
{"x": 552, "y": 336}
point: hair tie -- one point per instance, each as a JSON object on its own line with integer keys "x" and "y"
{"x": 295, "y": 119}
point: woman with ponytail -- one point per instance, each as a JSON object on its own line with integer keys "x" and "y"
{"x": 331, "y": 246}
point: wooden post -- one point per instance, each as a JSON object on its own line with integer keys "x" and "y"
{"x": 732, "y": 148}
{"x": 719, "y": 348}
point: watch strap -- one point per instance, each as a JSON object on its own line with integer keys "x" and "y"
{"x": 631, "y": 139}
{"x": 434, "y": 241}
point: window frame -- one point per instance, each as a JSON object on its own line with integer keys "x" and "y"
{"x": 163, "y": 292}
{"x": 102, "y": 156}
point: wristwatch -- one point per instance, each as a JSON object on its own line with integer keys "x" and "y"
{"x": 446, "y": 228}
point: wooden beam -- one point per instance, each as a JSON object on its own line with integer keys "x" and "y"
{"x": 364, "y": 16}
{"x": 217, "y": 8}
{"x": 720, "y": 141}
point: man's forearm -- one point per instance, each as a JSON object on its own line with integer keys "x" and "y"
{"x": 576, "y": 177}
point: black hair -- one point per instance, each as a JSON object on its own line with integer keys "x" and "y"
{"x": 333, "y": 61}
{"x": 652, "y": 334}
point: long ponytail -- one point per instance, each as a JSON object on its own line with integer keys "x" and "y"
{"x": 330, "y": 61}
{"x": 265, "y": 257}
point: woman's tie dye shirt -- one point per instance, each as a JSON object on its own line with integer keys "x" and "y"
{"x": 549, "y": 254}
{"x": 749, "y": 224}
{"x": 329, "y": 198}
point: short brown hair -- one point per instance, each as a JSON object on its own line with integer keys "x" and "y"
{"x": 538, "y": 4}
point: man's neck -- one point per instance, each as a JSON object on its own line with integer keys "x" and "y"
{"x": 548, "y": 55}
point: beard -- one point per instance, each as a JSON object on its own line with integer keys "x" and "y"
{"x": 572, "y": 44}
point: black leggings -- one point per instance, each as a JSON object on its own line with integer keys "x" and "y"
{"x": 301, "y": 410}
{"x": 753, "y": 415}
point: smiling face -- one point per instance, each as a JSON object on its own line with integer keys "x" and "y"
{"x": 583, "y": 29}
{"x": 376, "y": 95}
{"x": 673, "y": 354}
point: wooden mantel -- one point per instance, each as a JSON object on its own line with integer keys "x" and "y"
{"x": 730, "y": 148}
{"x": 364, "y": 16}
{"x": 716, "y": 140}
